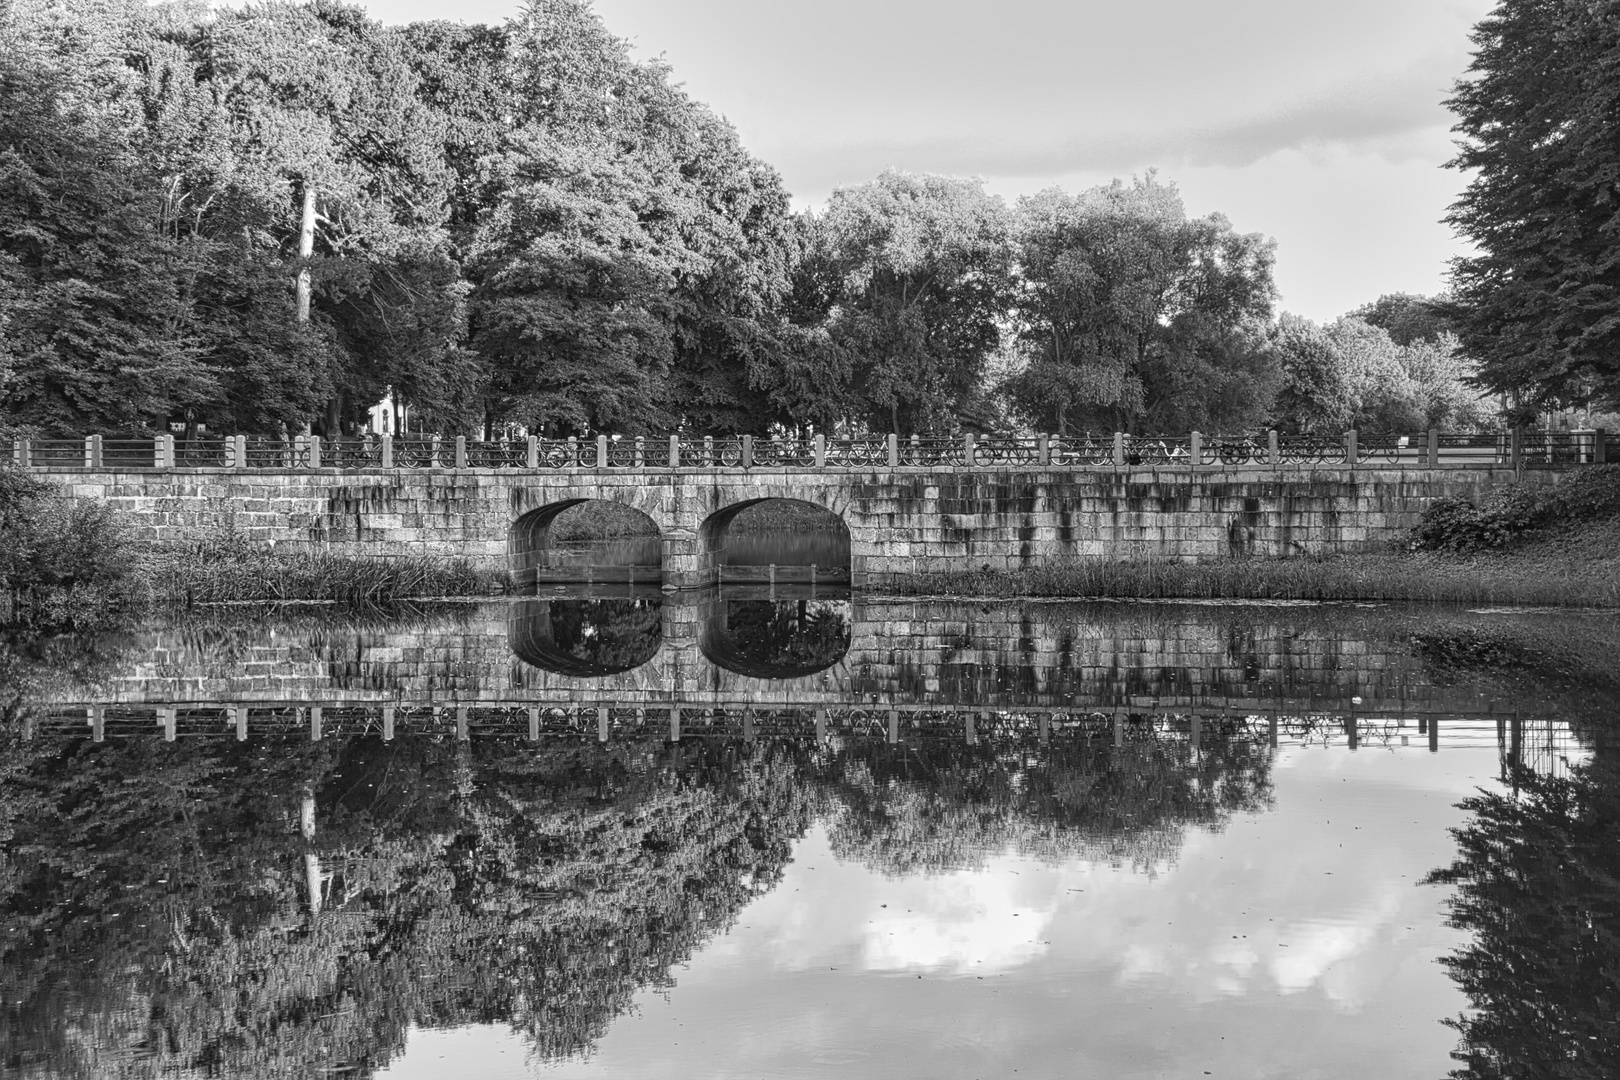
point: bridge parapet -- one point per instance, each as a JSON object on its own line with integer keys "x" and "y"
{"x": 1433, "y": 449}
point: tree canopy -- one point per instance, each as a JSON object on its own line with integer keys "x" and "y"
{"x": 1539, "y": 302}
{"x": 270, "y": 218}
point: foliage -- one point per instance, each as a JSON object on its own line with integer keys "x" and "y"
{"x": 1133, "y": 317}
{"x": 1408, "y": 318}
{"x": 910, "y": 275}
{"x": 1352, "y": 373}
{"x": 64, "y": 563}
{"x": 1517, "y": 511}
{"x": 1537, "y": 884}
{"x": 1539, "y": 304}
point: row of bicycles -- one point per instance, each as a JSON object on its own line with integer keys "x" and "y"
{"x": 917, "y": 451}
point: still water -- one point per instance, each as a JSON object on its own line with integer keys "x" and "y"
{"x": 786, "y": 832}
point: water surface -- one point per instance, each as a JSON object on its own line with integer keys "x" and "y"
{"x": 891, "y": 839}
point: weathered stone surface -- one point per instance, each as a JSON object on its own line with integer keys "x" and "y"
{"x": 900, "y": 521}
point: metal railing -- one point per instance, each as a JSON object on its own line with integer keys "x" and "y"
{"x": 1517, "y": 449}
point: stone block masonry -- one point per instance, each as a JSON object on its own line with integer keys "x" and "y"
{"x": 900, "y": 520}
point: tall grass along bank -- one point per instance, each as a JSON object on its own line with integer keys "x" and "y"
{"x": 226, "y": 572}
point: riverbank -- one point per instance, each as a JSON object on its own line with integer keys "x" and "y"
{"x": 1581, "y": 569}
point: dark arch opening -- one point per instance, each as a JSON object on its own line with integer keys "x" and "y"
{"x": 588, "y": 541}
{"x": 784, "y": 541}
{"x": 782, "y": 633}
{"x": 588, "y": 636}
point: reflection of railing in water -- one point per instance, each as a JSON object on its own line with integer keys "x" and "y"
{"x": 1539, "y": 744}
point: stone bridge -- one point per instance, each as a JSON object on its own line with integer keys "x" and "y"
{"x": 901, "y": 519}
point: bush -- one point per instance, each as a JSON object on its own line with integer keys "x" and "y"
{"x": 1519, "y": 512}
{"x": 62, "y": 564}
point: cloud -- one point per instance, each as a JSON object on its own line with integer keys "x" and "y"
{"x": 1398, "y": 117}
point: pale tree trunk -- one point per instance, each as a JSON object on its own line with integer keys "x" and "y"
{"x": 306, "y": 249}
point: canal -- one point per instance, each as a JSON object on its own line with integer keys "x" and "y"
{"x": 780, "y": 830}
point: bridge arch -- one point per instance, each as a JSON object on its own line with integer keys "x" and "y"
{"x": 630, "y": 550}
{"x": 789, "y": 540}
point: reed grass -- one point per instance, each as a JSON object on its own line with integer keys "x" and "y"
{"x": 229, "y": 571}
{"x": 1382, "y": 576}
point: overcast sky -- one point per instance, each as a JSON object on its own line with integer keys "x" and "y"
{"x": 1317, "y": 122}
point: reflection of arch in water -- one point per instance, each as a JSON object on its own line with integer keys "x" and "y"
{"x": 587, "y": 636}
{"x": 535, "y": 557}
{"x": 805, "y": 543}
{"x": 783, "y": 637}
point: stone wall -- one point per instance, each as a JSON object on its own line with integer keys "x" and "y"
{"x": 901, "y": 521}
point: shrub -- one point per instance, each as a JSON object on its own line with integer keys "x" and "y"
{"x": 1519, "y": 511}
{"x": 62, "y": 563}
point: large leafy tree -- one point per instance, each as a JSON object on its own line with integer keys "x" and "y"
{"x": 1134, "y": 316}
{"x": 911, "y": 276}
{"x": 1539, "y": 303}
{"x": 95, "y": 325}
{"x": 631, "y": 259}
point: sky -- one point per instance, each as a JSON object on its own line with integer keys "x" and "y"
{"x": 1319, "y": 123}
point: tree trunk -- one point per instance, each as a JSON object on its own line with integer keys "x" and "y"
{"x": 306, "y": 249}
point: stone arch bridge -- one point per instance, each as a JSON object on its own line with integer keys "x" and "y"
{"x": 901, "y": 519}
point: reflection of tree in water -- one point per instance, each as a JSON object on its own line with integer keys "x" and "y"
{"x": 1538, "y": 886}
{"x": 801, "y": 636}
{"x": 615, "y": 634}
{"x": 940, "y": 806}
{"x": 154, "y": 916}
{"x": 35, "y": 668}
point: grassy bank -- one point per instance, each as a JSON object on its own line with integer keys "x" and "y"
{"x": 1579, "y": 567}
{"x": 1419, "y": 577}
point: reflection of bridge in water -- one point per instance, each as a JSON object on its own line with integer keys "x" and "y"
{"x": 1541, "y": 744}
{"x": 924, "y": 669}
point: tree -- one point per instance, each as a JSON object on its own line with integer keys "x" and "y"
{"x": 1407, "y": 317}
{"x": 1539, "y": 304}
{"x": 94, "y": 327}
{"x": 911, "y": 276}
{"x": 1351, "y": 373}
{"x": 1132, "y": 315}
